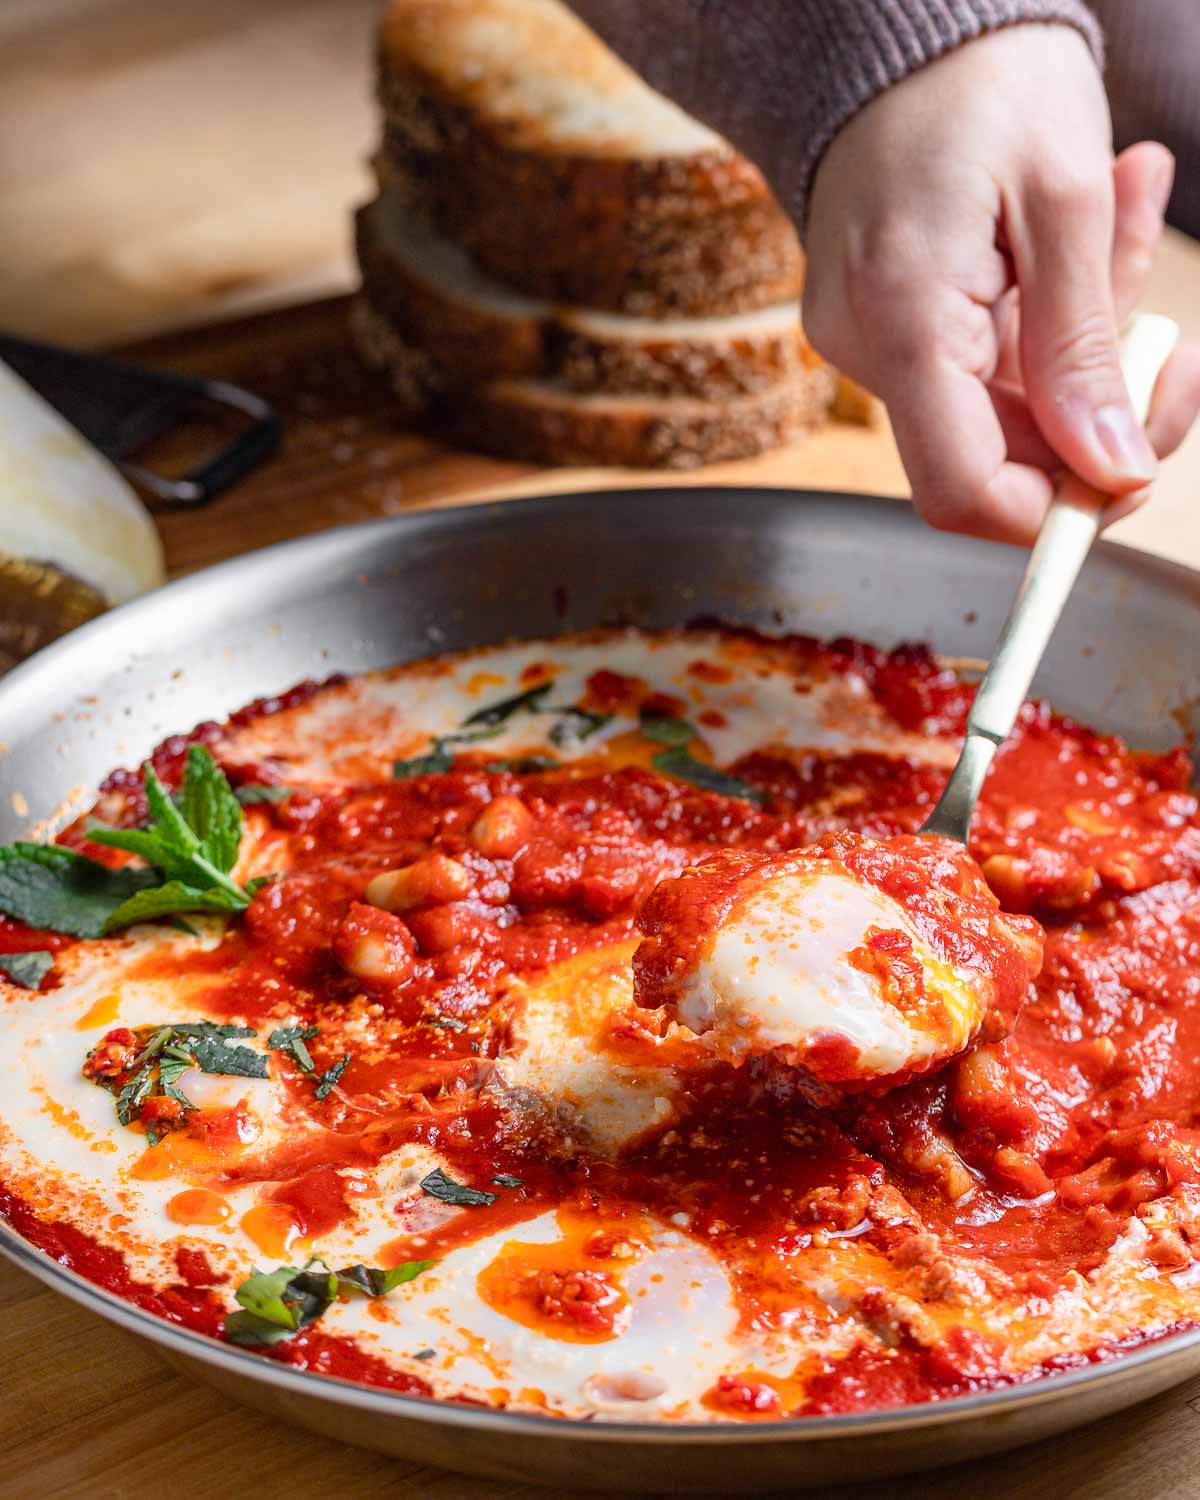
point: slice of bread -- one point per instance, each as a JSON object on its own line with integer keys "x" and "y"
{"x": 564, "y": 173}
{"x": 477, "y": 330}
{"x": 544, "y": 421}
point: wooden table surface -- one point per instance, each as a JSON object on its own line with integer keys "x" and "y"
{"x": 133, "y": 203}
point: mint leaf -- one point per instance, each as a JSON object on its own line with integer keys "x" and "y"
{"x": 45, "y": 885}
{"x": 501, "y": 712}
{"x": 292, "y": 1039}
{"x": 210, "y": 809}
{"x": 27, "y": 969}
{"x": 168, "y": 899}
{"x": 434, "y": 763}
{"x": 502, "y": 1179}
{"x": 258, "y": 791}
{"x": 377, "y": 1283}
{"x": 666, "y": 730}
{"x": 441, "y": 1185}
{"x": 329, "y": 1079}
{"x": 522, "y": 764}
{"x": 677, "y": 762}
{"x": 576, "y": 724}
{"x": 218, "y": 1057}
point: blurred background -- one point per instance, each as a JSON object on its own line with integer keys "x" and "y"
{"x": 162, "y": 163}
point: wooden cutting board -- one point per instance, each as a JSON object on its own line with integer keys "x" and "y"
{"x": 89, "y": 1413}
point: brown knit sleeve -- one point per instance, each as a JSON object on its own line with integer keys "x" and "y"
{"x": 780, "y": 78}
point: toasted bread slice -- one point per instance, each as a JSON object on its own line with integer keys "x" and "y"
{"x": 564, "y": 173}
{"x": 478, "y": 330}
{"x": 546, "y": 422}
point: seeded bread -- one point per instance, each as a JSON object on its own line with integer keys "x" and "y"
{"x": 544, "y": 421}
{"x": 564, "y": 174}
{"x": 478, "y": 330}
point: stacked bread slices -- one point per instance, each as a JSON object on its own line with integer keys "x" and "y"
{"x": 561, "y": 265}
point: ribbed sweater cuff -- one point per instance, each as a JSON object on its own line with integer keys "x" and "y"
{"x": 860, "y": 47}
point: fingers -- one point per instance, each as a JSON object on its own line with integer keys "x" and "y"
{"x": 956, "y": 453}
{"x": 1142, "y": 180}
{"x": 1062, "y": 237}
{"x": 1174, "y": 409}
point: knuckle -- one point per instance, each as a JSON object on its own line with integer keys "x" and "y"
{"x": 1085, "y": 349}
{"x": 1067, "y": 190}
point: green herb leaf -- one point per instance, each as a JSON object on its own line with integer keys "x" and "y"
{"x": 253, "y": 792}
{"x": 446, "y": 1023}
{"x": 377, "y": 1283}
{"x": 45, "y": 885}
{"x": 576, "y": 724}
{"x": 329, "y": 1079}
{"x": 167, "y": 900}
{"x": 210, "y": 1029}
{"x": 440, "y": 1185}
{"x": 679, "y": 763}
{"x": 210, "y": 808}
{"x": 433, "y": 763}
{"x": 502, "y": 1179}
{"x": 425, "y": 1354}
{"x": 292, "y": 1039}
{"x": 522, "y": 764}
{"x": 218, "y": 1057}
{"x": 193, "y": 841}
{"x": 499, "y": 713}
{"x": 27, "y": 969}
{"x": 287, "y": 1298}
{"x": 256, "y": 883}
{"x": 665, "y": 730}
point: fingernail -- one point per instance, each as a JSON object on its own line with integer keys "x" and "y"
{"x": 1164, "y": 180}
{"x": 1124, "y": 443}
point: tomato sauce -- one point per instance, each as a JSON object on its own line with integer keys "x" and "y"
{"x": 1014, "y": 1169}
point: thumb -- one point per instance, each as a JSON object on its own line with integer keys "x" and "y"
{"x": 1061, "y": 241}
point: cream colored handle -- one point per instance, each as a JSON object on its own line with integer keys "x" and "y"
{"x": 1072, "y": 522}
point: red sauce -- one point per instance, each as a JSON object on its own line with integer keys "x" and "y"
{"x": 1061, "y": 1132}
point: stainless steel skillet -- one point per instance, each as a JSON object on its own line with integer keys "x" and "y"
{"x": 1124, "y": 657}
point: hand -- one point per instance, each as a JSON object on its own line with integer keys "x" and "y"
{"x": 972, "y": 248}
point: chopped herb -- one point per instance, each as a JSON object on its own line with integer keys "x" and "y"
{"x": 218, "y": 1057}
{"x": 576, "y": 724}
{"x": 259, "y": 791}
{"x": 499, "y": 713}
{"x": 502, "y": 1179}
{"x": 446, "y": 1023}
{"x": 377, "y": 1283}
{"x": 256, "y": 884}
{"x": 439, "y": 1185}
{"x": 425, "y": 1354}
{"x": 170, "y": 1051}
{"x": 27, "y": 969}
{"x": 665, "y": 730}
{"x": 329, "y": 1079}
{"x": 433, "y": 763}
{"x": 677, "y": 762}
{"x": 277, "y": 1304}
{"x": 521, "y": 764}
{"x": 45, "y": 885}
{"x": 291, "y": 1039}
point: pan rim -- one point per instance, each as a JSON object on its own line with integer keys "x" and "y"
{"x": 329, "y": 548}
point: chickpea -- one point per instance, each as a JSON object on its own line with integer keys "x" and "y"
{"x": 502, "y": 829}
{"x": 436, "y": 878}
{"x": 1009, "y": 880}
{"x": 374, "y": 945}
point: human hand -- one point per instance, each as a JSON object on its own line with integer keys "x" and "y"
{"x": 972, "y": 248}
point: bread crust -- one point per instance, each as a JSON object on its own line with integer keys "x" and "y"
{"x": 507, "y": 118}
{"x": 478, "y": 330}
{"x": 543, "y": 421}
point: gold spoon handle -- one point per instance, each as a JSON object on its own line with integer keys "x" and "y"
{"x": 1063, "y": 543}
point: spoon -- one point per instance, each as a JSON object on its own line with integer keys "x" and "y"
{"x": 830, "y": 959}
{"x": 1072, "y": 523}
